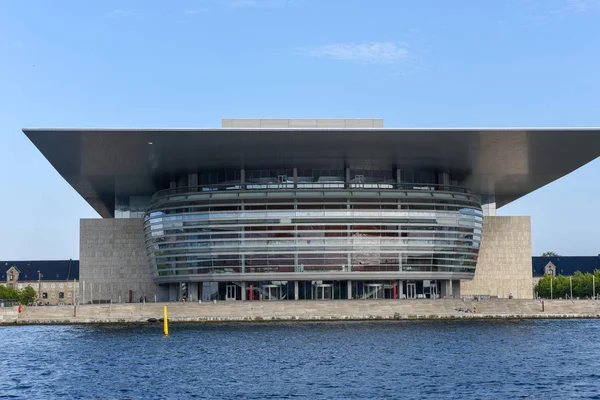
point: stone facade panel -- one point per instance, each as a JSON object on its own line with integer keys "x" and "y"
{"x": 113, "y": 261}
{"x": 504, "y": 263}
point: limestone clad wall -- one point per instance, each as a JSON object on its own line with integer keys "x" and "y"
{"x": 504, "y": 264}
{"x": 113, "y": 260}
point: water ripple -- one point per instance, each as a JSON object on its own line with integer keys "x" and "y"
{"x": 530, "y": 359}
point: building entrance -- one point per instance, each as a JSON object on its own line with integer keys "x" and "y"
{"x": 411, "y": 290}
{"x": 230, "y": 293}
{"x": 323, "y": 291}
{"x": 374, "y": 291}
{"x": 271, "y": 292}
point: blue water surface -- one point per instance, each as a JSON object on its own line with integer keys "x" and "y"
{"x": 538, "y": 359}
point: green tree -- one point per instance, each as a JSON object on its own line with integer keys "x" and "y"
{"x": 543, "y": 286}
{"x": 550, "y": 254}
{"x": 8, "y": 293}
{"x": 597, "y": 281}
{"x": 27, "y": 295}
{"x": 582, "y": 284}
{"x": 561, "y": 287}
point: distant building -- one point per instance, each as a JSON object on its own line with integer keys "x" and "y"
{"x": 563, "y": 265}
{"x": 56, "y": 282}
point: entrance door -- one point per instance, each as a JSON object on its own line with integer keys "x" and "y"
{"x": 374, "y": 291}
{"x": 231, "y": 292}
{"x": 411, "y": 290}
{"x": 433, "y": 290}
{"x": 323, "y": 292}
{"x": 271, "y": 292}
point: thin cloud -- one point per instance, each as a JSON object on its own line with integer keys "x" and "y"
{"x": 371, "y": 52}
{"x": 120, "y": 11}
{"x": 581, "y": 5}
{"x": 561, "y": 8}
{"x": 195, "y": 11}
{"x": 257, "y": 3}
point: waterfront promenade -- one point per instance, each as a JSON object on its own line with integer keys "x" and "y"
{"x": 302, "y": 310}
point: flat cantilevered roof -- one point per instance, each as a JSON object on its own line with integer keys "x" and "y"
{"x": 505, "y": 162}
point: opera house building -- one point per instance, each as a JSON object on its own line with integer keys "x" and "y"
{"x": 301, "y": 209}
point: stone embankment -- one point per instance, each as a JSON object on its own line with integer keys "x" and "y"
{"x": 303, "y": 311}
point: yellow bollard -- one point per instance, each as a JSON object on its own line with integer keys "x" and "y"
{"x": 166, "y": 323}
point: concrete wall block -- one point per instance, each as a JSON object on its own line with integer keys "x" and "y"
{"x": 245, "y": 123}
{"x": 303, "y": 123}
{"x": 504, "y": 264}
{"x": 359, "y": 123}
{"x": 331, "y": 123}
{"x": 274, "y": 123}
{"x": 115, "y": 261}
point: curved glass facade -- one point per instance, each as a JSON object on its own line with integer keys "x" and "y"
{"x": 193, "y": 233}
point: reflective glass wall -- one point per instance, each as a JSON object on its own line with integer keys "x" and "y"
{"x": 310, "y": 223}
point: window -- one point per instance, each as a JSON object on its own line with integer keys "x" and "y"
{"x": 20, "y": 286}
{"x": 53, "y": 285}
{"x": 44, "y": 295}
{"x": 70, "y": 285}
{"x": 53, "y": 295}
{"x": 45, "y": 286}
{"x": 62, "y": 285}
{"x": 61, "y": 295}
{"x": 70, "y": 294}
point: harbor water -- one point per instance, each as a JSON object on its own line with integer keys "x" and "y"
{"x": 487, "y": 359}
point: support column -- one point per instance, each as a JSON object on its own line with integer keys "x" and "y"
{"x": 193, "y": 179}
{"x": 349, "y": 290}
{"x": 398, "y": 175}
{"x": 243, "y": 286}
{"x": 243, "y": 178}
{"x": 488, "y": 205}
{"x": 295, "y": 177}
{"x": 456, "y": 289}
{"x": 347, "y": 177}
{"x": 400, "y": 289}
{"x": 295, "y": 290}
{"x": 173, "y": 291}
{"x": 443, "y": 178}
{"x": 446, "y": 289}
{"x": 192, "y": 291}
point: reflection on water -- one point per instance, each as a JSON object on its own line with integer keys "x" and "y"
{"x": 353, "y": 360}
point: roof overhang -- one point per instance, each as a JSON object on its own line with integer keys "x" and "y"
{"x": 505, "y": 162}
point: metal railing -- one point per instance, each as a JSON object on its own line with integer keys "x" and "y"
{"x": 314, "y": 185}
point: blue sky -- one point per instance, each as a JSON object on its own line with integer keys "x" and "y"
{"x": 190, "y": 63}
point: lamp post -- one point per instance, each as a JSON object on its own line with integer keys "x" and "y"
{"x": 571, "y": 286}
{"x": 74, "y": 299}
{"x": 39, "y": 287}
